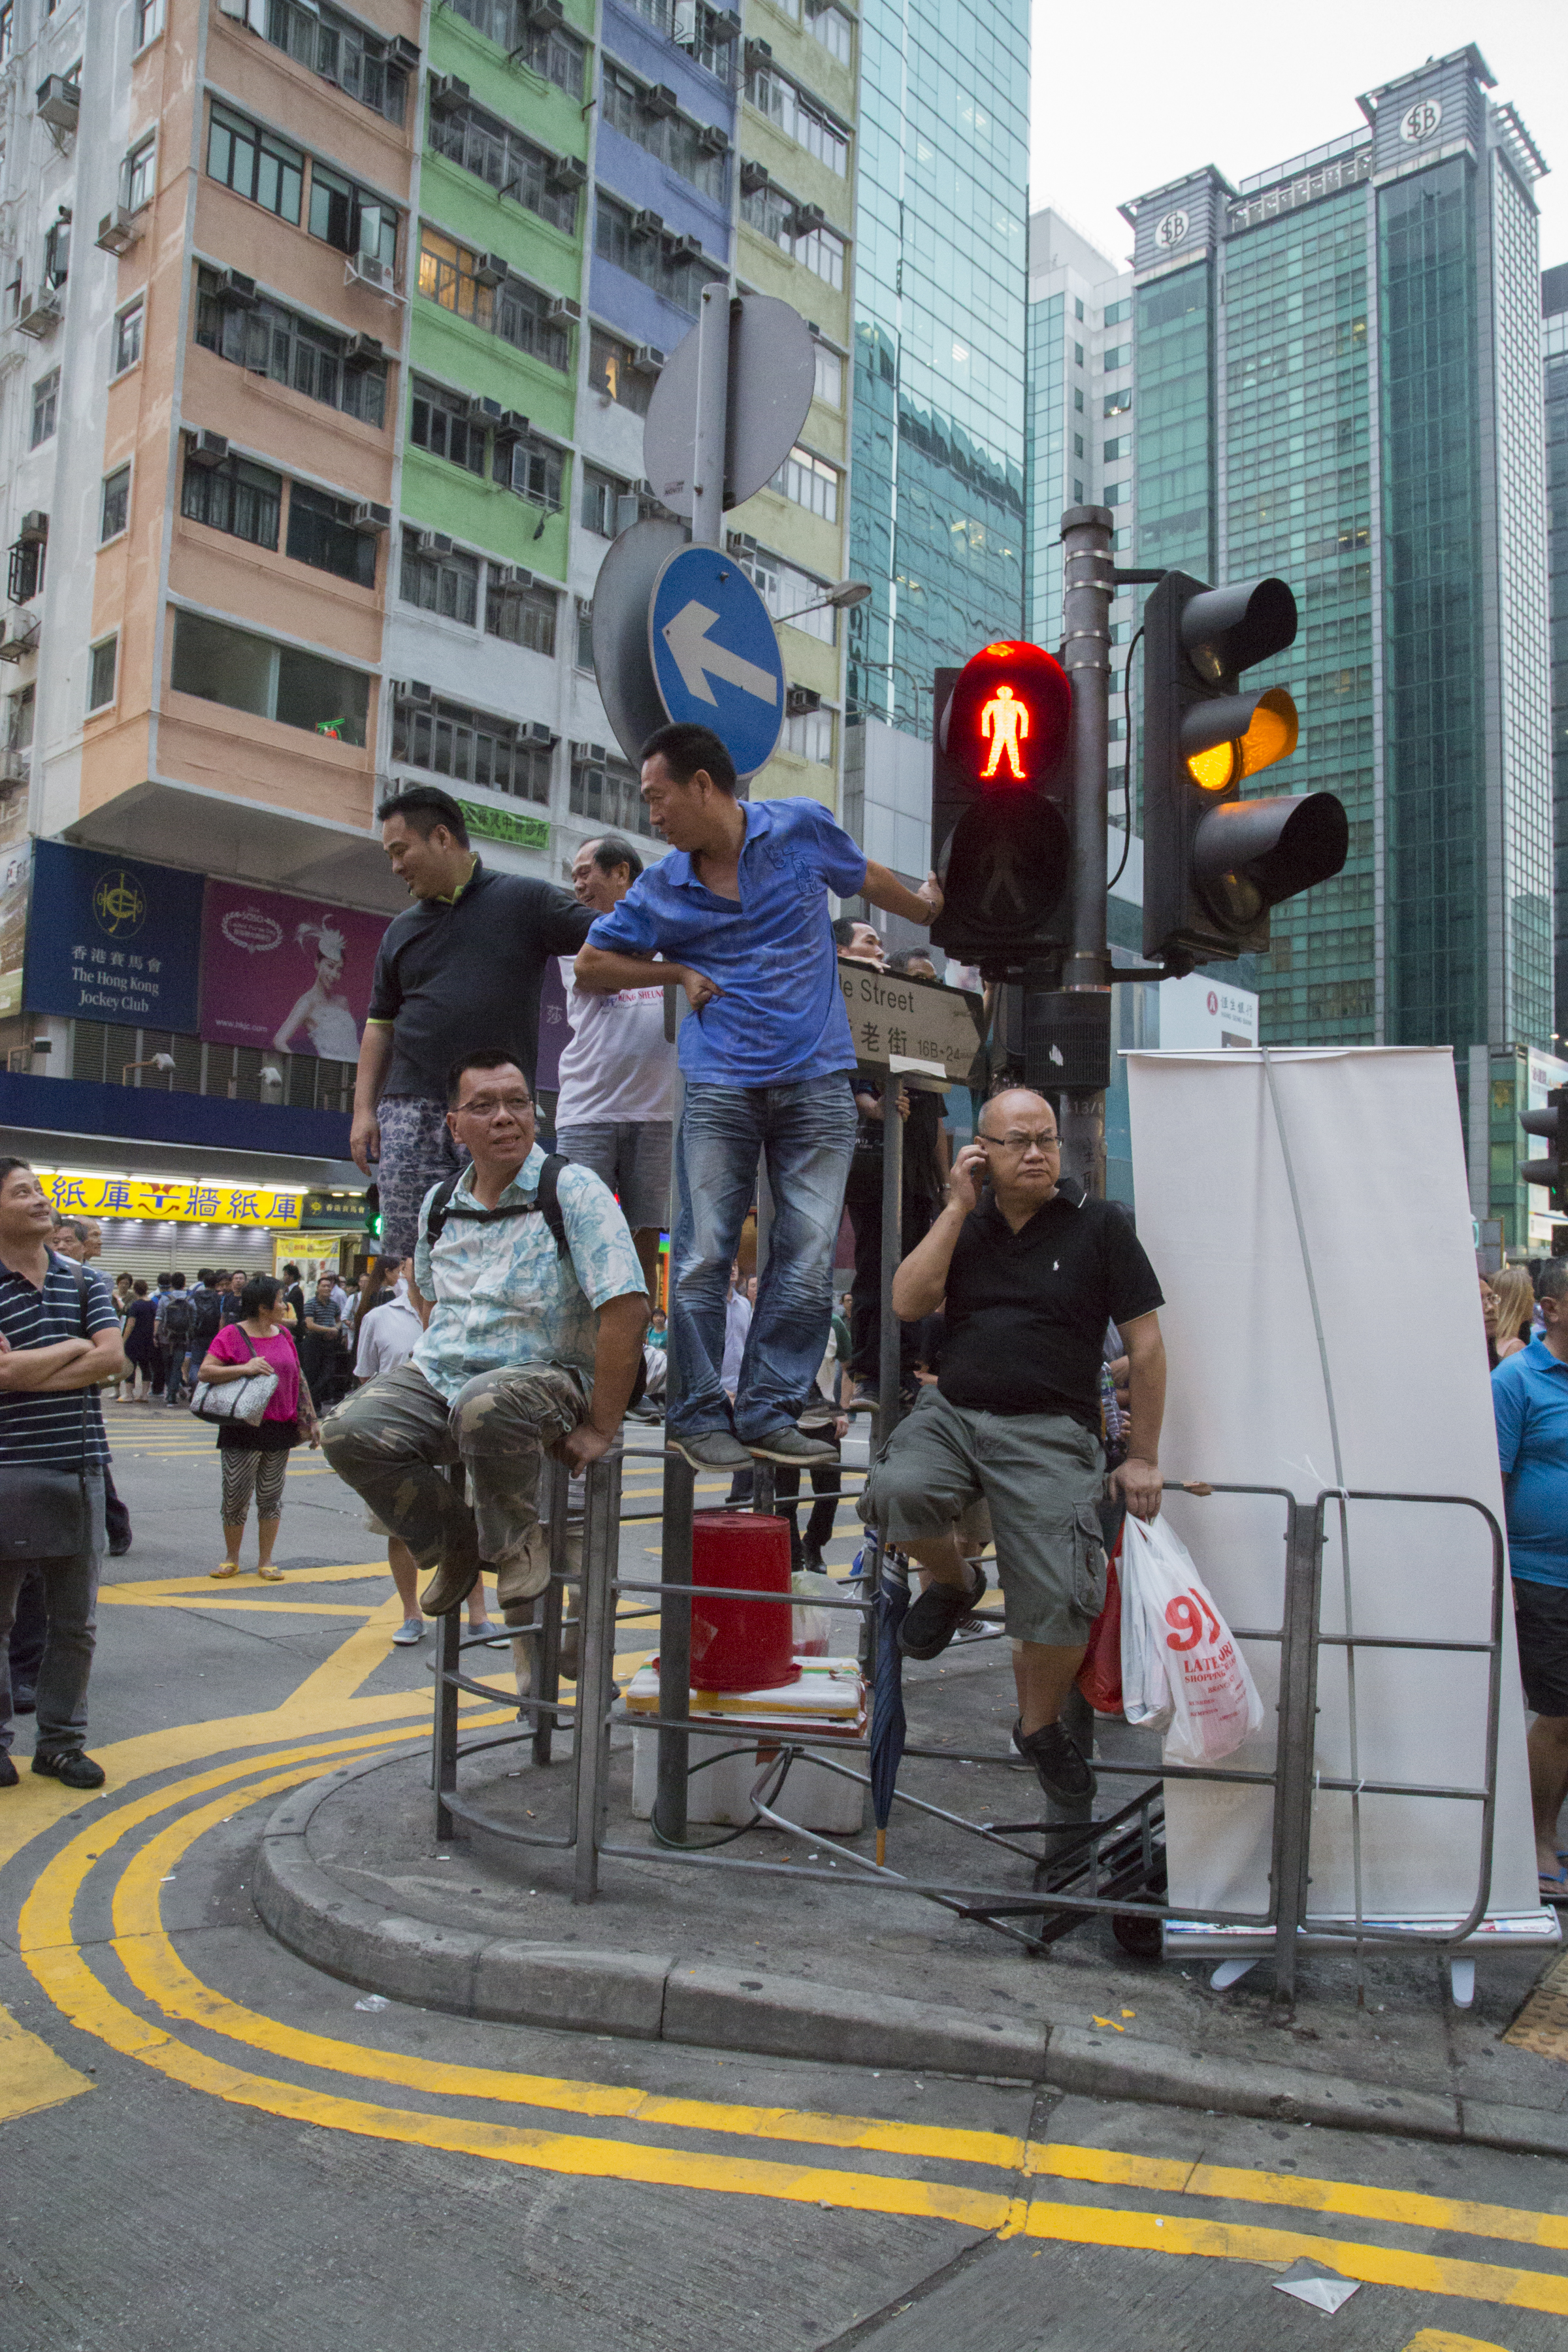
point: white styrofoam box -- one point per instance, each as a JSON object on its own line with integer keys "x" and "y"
{"x": 828, "y": 1697}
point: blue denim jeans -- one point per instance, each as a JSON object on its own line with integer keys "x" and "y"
{"x": 805, "y": 1133}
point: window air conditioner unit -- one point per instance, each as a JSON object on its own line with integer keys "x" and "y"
{"x": 366, "y": 516}
{"x": 568, "y": 172}
{"x": 491, "y": 269}
{"x": 235, "y": 288}
{"x": 479, "y": 411}
{"x": 724, "y": 25}
{"x": 414, "y": 539}
{"x": 661, "y": 102}
{"x": 14, "y": 767}
{"x": 39, "y": 314}
{"x": 118, "y": 230}
{"x": 647, "y": 223}
{"x": 59, "y": 102}
{"x": 437, "y": 542}
{"x": 411, "y": 690}
{"x": 543, "y": 15}
{"x": 513, "y": 577}
{"x": 34, "y": 528}
{"x": 404, "y": 54}
{"x": 713, "y": 139}
{"x": 560, "y": 307}
{"x": 754, "y": 179}
{"x": 369, "y": 271}
{"x": 685, "y": 248}
{"x": 800, "y": 699}
{"x": 647, "y": 359}
{"x": 364, "y": 351}
{"x": 447, "y": 92}
{"x": 208, "y": 448}
{"x": 808, "y": 218}
{"x": 20, "y": 639}
{"x": 534, "y": 730}
{"x": 511, "y": 424}
{"x": 757, "y": 54}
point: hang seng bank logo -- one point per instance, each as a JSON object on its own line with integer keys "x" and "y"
{"x": 118, "y": 904}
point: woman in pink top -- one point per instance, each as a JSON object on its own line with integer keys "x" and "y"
{"x": 255, "y": 1460}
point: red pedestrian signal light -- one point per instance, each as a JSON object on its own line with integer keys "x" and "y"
{"x": 1007, "y": 720}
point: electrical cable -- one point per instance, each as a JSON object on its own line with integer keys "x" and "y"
{"x": 1127, "y": 771}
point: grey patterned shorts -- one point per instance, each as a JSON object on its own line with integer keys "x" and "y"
{"x": 416, "y": 1151}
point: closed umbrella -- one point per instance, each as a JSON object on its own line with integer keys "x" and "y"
{"x": 888, "y": 1727}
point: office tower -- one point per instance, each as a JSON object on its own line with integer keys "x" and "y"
{"x": 1555, "y": 354}
{"x": 1337, "y": 378}
{"x": 937, "y": 509}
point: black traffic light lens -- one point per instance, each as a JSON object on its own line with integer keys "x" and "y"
{"x": 1226, "y": 630}
{"x": 1248, "y": 855}
{"x": 1004, "y": 867}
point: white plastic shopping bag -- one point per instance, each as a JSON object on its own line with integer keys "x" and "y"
{"x": 1181, "y": 1670}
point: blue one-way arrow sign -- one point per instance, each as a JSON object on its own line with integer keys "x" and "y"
{"x": 715, "y": 658}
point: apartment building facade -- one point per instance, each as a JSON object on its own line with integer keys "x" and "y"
{"x": 1555, "y": 363}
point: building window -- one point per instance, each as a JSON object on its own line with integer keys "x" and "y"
{"x": 115, "y": 511}
{"x": 321, "y": 535}
{"x": 1078, "y": 399}
{"x": 1116, "y": 494}
{"x": 522, "y": 616}
{"x": 809, "y": 735}
{"x": 547, "y": 49}
{"x": 1115, "y": 312}
{"x": 243, "y": 499}
{"x": 341, "y": 51}
{"x": 800, "y": 118}
{"x": 612, "y": 368}
{"x": 353, "y": 218}
{"x": 149, "y": 21}
{"x": 128, "y": 337}
{"x": 272, "y": 342}
{"x": 140, "y": 176}
{"x": 1077, "y": 311}
{"x": 602, "y": 494}
{"x": 631, "y": 108}
{"x": 532, "y": 471}
{"x": 57, "y": 250}
{"x": 25, "y": 570}
{"x": 785, "y": 590}
{"x": 254, "y": 164}
{"x": 585, "y": 654}
{"x": 829, "y": 386}
{"x": 499, "y": 155}
{"x": 604, "y": 790}
{"x": 442, "y": 426}
{"x": 1078, "y": 444}
{"x": 472, "y": 748}
{"x": 833, "y": 29}
{"x": 513, "y": 310}
{"x": 19, "y": 710}
{"x": 811, "y": 482}
{"x": 1119, "y": 356}
{"x": 101, "y": 669}
{"x": 672, "y": 270}
{"x": 775, "y": 215}
{"x": 245, "y": 672}
{"x": 1115, "y": 450}
{"x": 7, "y": 29}
{"x": 446, "y": 584}
{"x": 46, "y": 406}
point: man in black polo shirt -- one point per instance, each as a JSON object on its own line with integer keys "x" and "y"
{"x": 1031, "y": 1272}
{"x": 59, "y": 1337}
{"x": 460, "y": 969}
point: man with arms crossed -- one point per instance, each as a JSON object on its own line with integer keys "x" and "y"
{"x": 464, "y": 961}
{"x": 739, "y": 911}
{"x": 1032, "y": 1272}
{"x": 617, "y": 1069}
{"x": 1530, "y": 1401}
{"x": 525, "y": 1348}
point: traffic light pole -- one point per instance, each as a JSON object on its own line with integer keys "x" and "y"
{"x": 1090, "y": 582}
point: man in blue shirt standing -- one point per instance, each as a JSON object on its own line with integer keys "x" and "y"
{"x": 1530, "y": 1399}
{"x": 738, "y": 912}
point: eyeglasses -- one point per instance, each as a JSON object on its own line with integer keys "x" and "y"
{"x": 489, "y": 1106}
{"x": 1016, "y": 1139}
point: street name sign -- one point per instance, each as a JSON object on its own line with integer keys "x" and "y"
{"x": 716, "y": 657}
{"x": 917, "y": 1028}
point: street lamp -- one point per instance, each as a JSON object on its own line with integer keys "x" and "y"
{"x": 849, "y": 593}
{"x": 921, "y": 685}
{"x": 153, "y": 1062}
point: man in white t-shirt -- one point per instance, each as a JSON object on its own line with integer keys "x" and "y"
{"x": 617, "y": 1102}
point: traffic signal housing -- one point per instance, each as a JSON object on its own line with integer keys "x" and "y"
{"x": 1214, "y": 863}
{"x": 373, "y": 1211}
{"x": 1551, "y": 1124}
{"x": 1000, "y": 830}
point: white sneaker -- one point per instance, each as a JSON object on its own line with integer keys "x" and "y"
{"x": 412, "y": 1630}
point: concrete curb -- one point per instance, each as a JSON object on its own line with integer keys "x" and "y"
{"x": 653, "y": 1996}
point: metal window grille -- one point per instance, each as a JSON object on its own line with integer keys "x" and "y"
{"x": 505, "y": 160}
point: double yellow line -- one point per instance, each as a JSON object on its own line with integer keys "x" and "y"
{"x": 1007, "y": 2205}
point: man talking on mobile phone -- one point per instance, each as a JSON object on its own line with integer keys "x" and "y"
{"x": 1031, "y": 1272}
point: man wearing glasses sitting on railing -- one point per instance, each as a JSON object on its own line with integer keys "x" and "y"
{"x": 1031, "y": 1272}
{"x": 533, "y": 1306}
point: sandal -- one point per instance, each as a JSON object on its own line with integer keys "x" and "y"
{"x": 269, "y": 1575}
{"x": 225, "y": 1568}
{"x": 1554, "y": 1889}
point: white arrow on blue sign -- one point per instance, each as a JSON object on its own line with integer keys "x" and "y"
{"x": 716, "y": 657}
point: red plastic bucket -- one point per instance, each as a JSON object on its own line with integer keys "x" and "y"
{"x": 739, "y": 1645}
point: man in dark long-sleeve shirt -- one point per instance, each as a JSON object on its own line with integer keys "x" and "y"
{"x": 460, "y": 970}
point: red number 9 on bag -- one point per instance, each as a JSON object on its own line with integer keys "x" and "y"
{"x": 1185, "y": 1615}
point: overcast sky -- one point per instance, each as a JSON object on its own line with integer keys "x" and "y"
{"x": 1153, "y": 88}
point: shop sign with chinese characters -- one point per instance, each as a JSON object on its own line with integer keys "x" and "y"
{"x": 171, "y": 1202}
{"x": 112, "y": 939}
{"x": 917, "y": 1027}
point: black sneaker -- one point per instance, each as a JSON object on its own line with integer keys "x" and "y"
{"x": 710, "y": 1449}
{"x": 792, "y": 1447}
{"x": 71, "y": 1767}
{"x": 1057, "y": 1760}
{"x": 931, "y": 1620}
{"x": 9, "y": 1775}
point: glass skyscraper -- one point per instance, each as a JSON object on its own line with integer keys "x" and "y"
{"x": 1337, "y": 378}
{"x": 1554, "y": 352}
{"x": 937, "y": 521}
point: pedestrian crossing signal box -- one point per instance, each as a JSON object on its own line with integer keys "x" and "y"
{"x": 1001, "y": 834}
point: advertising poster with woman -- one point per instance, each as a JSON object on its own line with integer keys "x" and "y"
{"x": 288, "y": 975}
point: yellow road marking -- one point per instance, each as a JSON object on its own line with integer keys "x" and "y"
{"x": 156, "y": 1588}
{"x": 223, "y": 1600}
{"x": 1441, "y": 2339}
{"x": 31, "y": 2076}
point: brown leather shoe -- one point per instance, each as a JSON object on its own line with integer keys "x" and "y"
{"x": 449, "y": 1587}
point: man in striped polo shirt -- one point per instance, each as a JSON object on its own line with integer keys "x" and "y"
{"x": 59, "y": 1337}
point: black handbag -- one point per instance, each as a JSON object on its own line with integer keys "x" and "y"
{"x": 46, "y": 1513}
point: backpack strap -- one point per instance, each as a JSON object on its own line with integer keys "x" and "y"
{"x": 548, "y": 1196}
{"x": 546, "y": 1200}
{"x": 440, "y": 1207}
